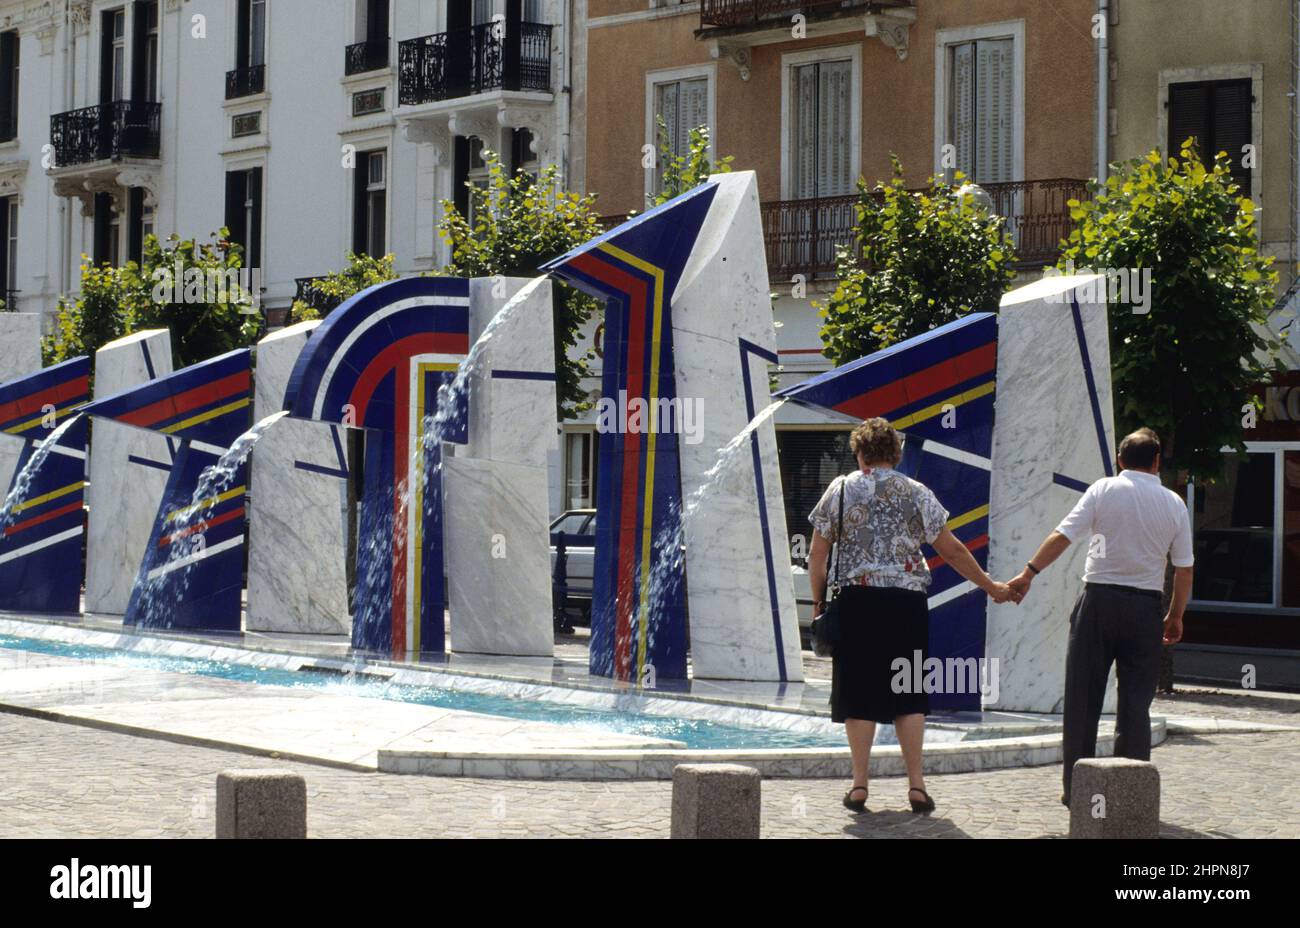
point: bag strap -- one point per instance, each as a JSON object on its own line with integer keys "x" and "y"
{"x": 839, "y": 532}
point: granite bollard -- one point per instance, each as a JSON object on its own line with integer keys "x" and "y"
{"x": 261, "y": 803}
{"x": 1114, "y": 797}
{"x": 716, "y": 801}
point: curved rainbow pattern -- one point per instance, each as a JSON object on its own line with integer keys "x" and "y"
{"x": 638, "y": 597}
{"x": 40, "y": 547}
{"x": 376, "y": 363}
{"x": 198, "y": 569}
{"x": 939, "y": 390}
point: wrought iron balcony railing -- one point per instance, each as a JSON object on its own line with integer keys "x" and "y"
{"x": 741, "y": 13}
{"x": 10, "y": 301}
{"x": 107, "y": 131}
{"x": 365, "y": 56}
{"x": 307, "y": 293}
{"x": 804, "y": 236}
{"x": 471, "y": 61}
{"x": 244, "y": 82}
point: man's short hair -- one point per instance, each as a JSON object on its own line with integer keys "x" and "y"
{"x": 876, "y": 442}
{"x": 1139, "y": 449}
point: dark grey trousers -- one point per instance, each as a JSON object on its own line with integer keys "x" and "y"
{"x": 1124, "y": 627}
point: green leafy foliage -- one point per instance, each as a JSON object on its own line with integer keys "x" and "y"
{"x": 515, "y": 225}
{"x": 923, "y": 259}
{"x": 191, "y": 288}
{"x": 680, "y": 173}
{"x": 1183, "y": 368}
{"x": 362, "y": 273}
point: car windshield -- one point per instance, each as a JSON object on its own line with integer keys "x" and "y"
{"x": 571, "y": 523}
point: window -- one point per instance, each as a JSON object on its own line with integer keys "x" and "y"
{"x": 370, "y": 219}
{"x": 250, "y": 40}
{"x": 147, "y": 51}
{"x": 477, "y": 175}
{"x": 810, "y": 460}
{"x": 257, "y": 33}
{"x": 9, "y": 242}
{"x": 682, "y": 106}
{"x": 1234, "y": 532}
{"x": 981, "y": 108}
{"x": 112, "y": 74}
{"x": 1217, "y": 114}
{"x": 580, "y": 470}
{"x": 8, "y": 86}
{"x": 483, "y": 10}
{"x": 522, "y": 156}
{"x": 244, "y": 212}
{"x": 821, "y": 129}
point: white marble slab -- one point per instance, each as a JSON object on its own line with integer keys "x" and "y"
{"x": 297, "y": 572}
{"x": 123, "y": 496}
{"x": 1044, "y": 426}
{"x": 721, "y": 299}
{"x": 20, "y": 345}
{"x": 496, "y": 516}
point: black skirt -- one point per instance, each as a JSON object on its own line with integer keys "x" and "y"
{"x": 878, "y": 624}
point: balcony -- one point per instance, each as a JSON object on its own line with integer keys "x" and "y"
{"x": 365, "y": 56}
{"x": 803, "y": 236}
{"x": 732, "y": 27}
{"x": 472, "y": 61}
{"x": 244, "y": 82}
{"x": 106, "y": 132}
{"x": 749, "y": 13}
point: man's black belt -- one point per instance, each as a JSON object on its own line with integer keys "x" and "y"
{"x": 1154, "y": 594}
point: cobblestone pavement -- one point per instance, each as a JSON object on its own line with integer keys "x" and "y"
{"x": 61, "y": 780}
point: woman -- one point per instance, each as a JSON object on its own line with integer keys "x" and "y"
{"x": 882, "y": 579}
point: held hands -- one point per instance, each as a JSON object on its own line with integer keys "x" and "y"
{"x": 1004, "y": 593}
{"x": 1020, "y": 583}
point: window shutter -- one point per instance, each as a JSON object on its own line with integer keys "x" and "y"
{"x": 994, "y": 96}
{"x": 135, "y": 231}
{"x": 235, "y": 190}
{"x": 243, "y": 19}
{"x": 961, "y": 96}
{"x": 693, "y": 104}
{"x": 1231, "y": 120}
{"x": 377, "y": 21}
{"x": 835, "y": 143}
{"x": 803, "y": 137}
{"x": 8, "y": 85}
{"x": 253, "y": 247}
{"x": 4, "y": 250}
{"x": 1189, "y": 116}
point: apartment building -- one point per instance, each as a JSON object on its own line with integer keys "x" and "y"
{"x": 309, "y": 129}
{"x": 813, "y": 95}
{"x": 1180, "y": 68}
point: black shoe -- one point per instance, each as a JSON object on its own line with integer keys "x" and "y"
{"x": 920, "y": 808}
{"x": 856, "y": 805}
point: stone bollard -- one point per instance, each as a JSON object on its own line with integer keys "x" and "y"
{"x": 261, "y": 803}
{"x": 716, "y": 801}
{"x": 1114, "y": 797}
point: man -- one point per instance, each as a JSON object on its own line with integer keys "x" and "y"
{"x": 1130, "y": 523}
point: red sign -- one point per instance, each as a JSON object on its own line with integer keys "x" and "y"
{"x": 1279, "y": 420}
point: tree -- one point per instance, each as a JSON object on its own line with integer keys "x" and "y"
{"x": 926, "y": 258}
{"x": 515, "y": 225}
{"x": 196, "y": 290}
{"x": 362, "y": 273}
{"x": 680, "y": 173}
{"x": 1185, "y": 366}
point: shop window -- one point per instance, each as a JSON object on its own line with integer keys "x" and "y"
{"x": 1234, "y": 528}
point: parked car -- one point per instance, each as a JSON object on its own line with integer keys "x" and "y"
{"x": 577, "y": 530}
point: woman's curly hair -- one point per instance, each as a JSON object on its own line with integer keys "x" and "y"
{"x": 876, "y": 442}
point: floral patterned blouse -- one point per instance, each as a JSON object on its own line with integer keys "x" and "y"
{"x": 887, "y": 516}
